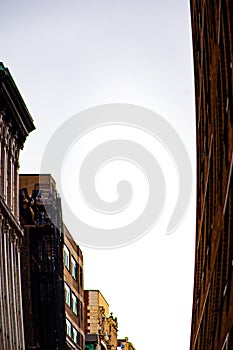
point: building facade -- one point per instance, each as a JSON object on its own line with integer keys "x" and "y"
{"x": 74, "y": 293}
{"x": 212, "y": 318}
{"x": 42, "y": 263}
{"x": 100, "y": 326}
{"x": 15, "y": 125}
{"x": 52, "y": 270}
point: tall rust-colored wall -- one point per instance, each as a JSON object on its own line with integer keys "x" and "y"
{"x": 212, "y": 319}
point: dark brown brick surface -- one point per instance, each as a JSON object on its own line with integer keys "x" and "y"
{"x": 212, "y": 320}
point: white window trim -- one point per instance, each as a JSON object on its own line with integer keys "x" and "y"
{"x": 75, "y": 340}
{"x": 67, "y": 291}
{"x": 68, "y": 326}
{"x": 66, "y": 255}
{"x": 73, "y": 263}
{"x": 74, "y": 297}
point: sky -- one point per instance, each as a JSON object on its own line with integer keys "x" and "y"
{"x": 67, "y": 56}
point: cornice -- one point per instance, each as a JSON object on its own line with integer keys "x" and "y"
{"x": 12, "y": 103}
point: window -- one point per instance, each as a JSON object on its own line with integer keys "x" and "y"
{"x": 66, "y": 257}
{"x": 90, "y": 347}
{"x": 68, "y": 328}
{"x": 67, "y": 294}
{"x": 81, "y": 310}
{"x": 73, "y": 268}
{"x": 74, "y": 304}
{"x": 75, "y": 335}
{"x": 81, "y": 277}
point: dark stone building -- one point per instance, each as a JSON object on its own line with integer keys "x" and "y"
{"x": 52, "y": 270}
{"x": 42, "y": 263}
{"x": 212, "y": 319}
{"x": 15, "y": 125}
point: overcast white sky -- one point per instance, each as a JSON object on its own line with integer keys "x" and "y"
{"x": 66, "y": 56}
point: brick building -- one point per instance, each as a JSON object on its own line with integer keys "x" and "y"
{"x": 100, "y": 325}
{"x": 74, "y": 293}
{"x": 42, "y": 264}
{"x": 15, "y": 125}
{"x": 212, "y": 319}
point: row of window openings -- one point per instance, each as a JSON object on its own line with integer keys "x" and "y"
{"x": 70, "y": 295}
{"x": 71, "y": 331}
{"x": 67, "y": 262}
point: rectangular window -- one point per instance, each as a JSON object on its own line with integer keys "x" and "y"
{"x": 81, "y": 277}
{"x": 68, "y": 328}
{"x": 81, "y": 310}
{"x": 75, "y": 335}
{"x": 66, "y": 257}
{"x": 67, "y": 294}
{"x": 73, "y": 268}
{"x": 74, "y": 304}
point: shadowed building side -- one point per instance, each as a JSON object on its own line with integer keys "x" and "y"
{"x": 42, "y": 263}
{"x": 52, "y": 270}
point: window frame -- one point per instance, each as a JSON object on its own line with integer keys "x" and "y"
{"x": 68, "y": 326}
{"x": 67, "y": 292}
{"x": 74, "y": 265}
{"x": 74, "y": 296}
{"x": 66, "y": 257}
{"x": 81, "y": 277}
{"x": 74, "y": 330}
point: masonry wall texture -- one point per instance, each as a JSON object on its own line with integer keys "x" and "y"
{"x": 100, "y": 327}
{"x": 74, "y": 293}
{"x": 212, "y": 31}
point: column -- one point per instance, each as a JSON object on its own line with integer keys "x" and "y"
{"x": 9, "y": 177}
{"x": 13, "y": 301}
{"x": 5, "y": 161}
{"x": 6, "y": 287}
{"x": 2, "y": 292}
{"x": 3, "y": 156}
{"x": 16, "y": 183}
{"x": 19, "y": 297}
{"x": 1, "y": 163}
{"x": 11, "y": 289}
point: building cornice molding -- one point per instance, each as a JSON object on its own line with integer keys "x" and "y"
{"x": 13, "y": 106}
